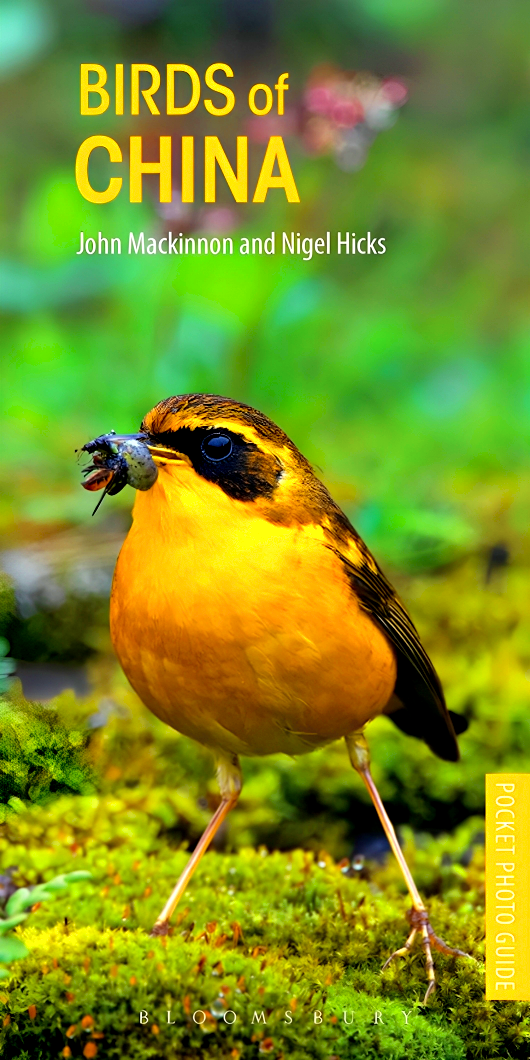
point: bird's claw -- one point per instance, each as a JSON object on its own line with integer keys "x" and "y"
{"x": 160, "y": 928}
{"x": 419, "y": 921}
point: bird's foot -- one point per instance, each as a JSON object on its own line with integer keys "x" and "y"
{"x": 419, "y": 921}
{"x": 161, "y": 927}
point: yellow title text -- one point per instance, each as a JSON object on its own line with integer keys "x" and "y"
{"x": 95, "y": 99}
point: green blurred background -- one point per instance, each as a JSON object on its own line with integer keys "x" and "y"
{"x": 405, "y": 378}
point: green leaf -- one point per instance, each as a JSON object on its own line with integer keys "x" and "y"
{"x": 57, "y": 884}
{"x": 11, "y": 949}
{"x": 19, "y": 901}
{"x": 40, "y": 893}
{"x": 79, "y": 874}
{"x": 24, "y": 898}
{"x": 12, "y": 922}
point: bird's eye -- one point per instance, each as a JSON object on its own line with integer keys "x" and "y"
{"x": 217, "y": 446}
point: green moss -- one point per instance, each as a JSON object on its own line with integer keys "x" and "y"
{"x": 254, "y": 931}
{"x": 43, "y": 751}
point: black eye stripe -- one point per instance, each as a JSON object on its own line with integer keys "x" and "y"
{"x": 239, "y": 467}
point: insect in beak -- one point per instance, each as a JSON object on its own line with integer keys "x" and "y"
{"x": 118, "y": 460}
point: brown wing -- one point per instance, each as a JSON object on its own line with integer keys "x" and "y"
{"x": 423, "y": 712}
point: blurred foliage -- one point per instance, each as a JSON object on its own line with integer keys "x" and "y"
{"x": 405, "y": 376}
{"x": 65, "y": 633}
{"x": 7, "y": 666}
{"x": 7, "y": 602}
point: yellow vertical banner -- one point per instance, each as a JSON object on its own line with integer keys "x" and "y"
{"x": 508, "y": 886}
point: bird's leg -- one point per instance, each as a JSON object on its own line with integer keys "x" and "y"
{"x": 230, "y": 782}
{"x": 418, "y": 916}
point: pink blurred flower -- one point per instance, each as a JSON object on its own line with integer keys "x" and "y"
{"x": 345, "y": 110}
{"x": 395, "y": 91}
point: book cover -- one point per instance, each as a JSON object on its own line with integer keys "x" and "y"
{"x": 263, "y": 274}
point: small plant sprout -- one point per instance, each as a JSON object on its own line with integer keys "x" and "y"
{"x": 18, "y": 908}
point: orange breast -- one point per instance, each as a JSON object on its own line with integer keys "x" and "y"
{"x": 238, "y": 632}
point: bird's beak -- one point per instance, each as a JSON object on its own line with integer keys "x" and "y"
{"x": 159, "y": 453}
{"x": 162, "y": 455}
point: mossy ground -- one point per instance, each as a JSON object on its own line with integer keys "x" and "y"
{"x": 257, "y": 932}
{"x": 273, "y": 921}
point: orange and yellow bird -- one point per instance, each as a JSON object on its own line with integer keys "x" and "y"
{"x": 249, "y": 615}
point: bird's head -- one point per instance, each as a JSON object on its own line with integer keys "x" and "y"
{"x": 221, "y": 441}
